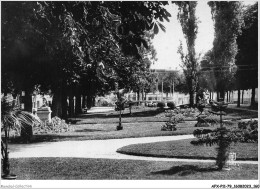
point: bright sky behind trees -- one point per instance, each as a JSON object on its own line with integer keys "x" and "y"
{"x": 166, "y": 43}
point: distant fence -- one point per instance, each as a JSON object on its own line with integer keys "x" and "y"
{"x": 232, "y": 96}
{"x": 181, "y": 98}
{"x": 177, "y": 98}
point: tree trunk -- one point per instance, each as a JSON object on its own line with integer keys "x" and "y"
{"x": 78, "y": 108}
{"x": 253, "y": 103}
{"x": 27, "y": 129}
{"x": 138, "y": 97}
{"x": 93, "y": 101}
{"x": 238, "y": 98}
{"x": 242, "y": 100}
{"x": 191, "y": 98}
{"x": 71, "y": 105}
{"x": 221, "y": 95}
{"x": 227, "y": 96}
{"x": 84, "y": 101}
{"x": 89, "y": 101}
{"x": 64, "y": 105}
{"x": 28, "y": 100}
{"x": 57, "y": 102}
{"x": 120, "y": 127}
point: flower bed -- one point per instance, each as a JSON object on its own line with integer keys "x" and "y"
{"x": 56, "y": 125}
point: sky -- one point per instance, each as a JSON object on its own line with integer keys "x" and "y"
{"x": 166, "y": 43}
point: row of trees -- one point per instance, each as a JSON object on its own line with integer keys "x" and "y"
{"x": 84, "y": 48}
{"x": 77, "y": 48}
{"x": 232, "y": 63}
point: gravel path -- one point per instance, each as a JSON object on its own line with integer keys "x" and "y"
{"x": 98, "y": 149}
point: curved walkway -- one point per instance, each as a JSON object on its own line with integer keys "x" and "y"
{"x": 98, "y": 149}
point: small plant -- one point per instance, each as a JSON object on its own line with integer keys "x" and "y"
{"x": 221, "y": 136}
{"x": 189, "y": 112}
{"x": 160, "y": 105}
{"x": 104, "y": 103}
{"x": 171, "y": 105}
{"x": 248, "y": 131}
{"x": 56, "y": 125}
{"x": 120, "y": 104}
{"x": 12, "y": 118}
{"x": 204, "y": 120}
{"x": 131, "y": 104}
{"x": 175, "y": 117}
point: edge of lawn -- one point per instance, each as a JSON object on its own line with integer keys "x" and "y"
{"x": 146, "y": 151}
{"x": 178, "y": 157}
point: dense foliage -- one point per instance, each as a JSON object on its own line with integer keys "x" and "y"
{"x": 247, "y": 57}
{"x": 189, "y": 24}
{"x": 77, "y": 48}
{"x": 228, "y": 21}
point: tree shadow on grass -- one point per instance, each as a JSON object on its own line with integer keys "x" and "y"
{"x": 184, "y": 170}
{"x": 43, "y": 138}
{"x": 125, "y": 114}
{"x": 243, "y": 113}
{"x": 88, "y": 130}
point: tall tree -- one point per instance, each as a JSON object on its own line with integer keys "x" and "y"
{"x": 73, "y": 40}
{"x": 189, "y": 24}
{"x": 228, "y": 20}
{"x": 247, "y": 57}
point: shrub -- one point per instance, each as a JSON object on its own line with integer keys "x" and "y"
{"x": 248, "y": 131}
{"x": 171, "y": 105}
{"x": 175, "y": 117}
{"x": 104, "y": 103}
{"x": 160, "y": 104}
{"x": 131, "y": 103}
{"x": 189, "y": 112}
{"x": 206, "y": 121}
{"x": 184, "y": 106}
{"x": 57, "y": 125}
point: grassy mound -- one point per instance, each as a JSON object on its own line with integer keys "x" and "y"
{"x": 183, "y": 149}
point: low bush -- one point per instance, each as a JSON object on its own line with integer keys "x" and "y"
{"x": 248, "y": 131}
{"x": 132, "y": 103}
{"x": 104, "y": 103}
{"x": 189, "y": 112}
{"x": 57, "y": 125}
{"x": 175, "y": 117}
{"x": 171, "y": 105}
{"x": 206, "y": 121}
{"x": 210, "y": 120}
{"x": 160, "y": 104}
{"x": 184, "y": 106}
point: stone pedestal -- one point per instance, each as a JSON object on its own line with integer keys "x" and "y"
{"x": 44, "y": 113}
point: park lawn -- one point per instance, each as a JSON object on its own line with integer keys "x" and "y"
{"x": 148, "y": 114}
{"x": 108, "y": 131}
{"x": 184, "y": 149}
{"x": 102, "y": 169}
{"x": 145, "y": 122}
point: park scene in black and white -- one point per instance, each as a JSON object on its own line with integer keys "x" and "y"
{"x": 120, "y": 90}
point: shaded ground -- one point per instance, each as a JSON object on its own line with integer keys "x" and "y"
{"x": 148, "y": 114}
{"x": 184, "y": 149}
{"x": 102, "y": 169}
